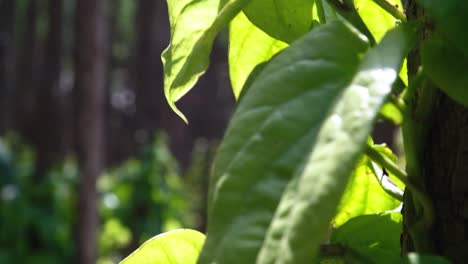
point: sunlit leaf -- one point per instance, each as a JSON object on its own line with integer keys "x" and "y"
{"x": 270, "y": 133}
{"x": 175, "y": 247}
{"x": 194, "y": 26}
{"x": 286, "y": 20}
{"x": 248, "y": 47}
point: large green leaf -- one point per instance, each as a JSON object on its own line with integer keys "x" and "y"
{"x": 194, "y": 25}
{"x": 248, "y": 47}
{"x": 363, "y": 195}
{"x": 449, "y": 17}
{"x": 447, "y": 67}
{"x": 373, "y": 237}
{"x": 339, "y": 144}
{"x": 174, "y": 247}
{"x": 286, "y": 20}
{"x": 269, "y": 135}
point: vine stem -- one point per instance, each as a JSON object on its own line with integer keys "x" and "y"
{"x": 391, "y": 9}
{"x": 388, "y": 164}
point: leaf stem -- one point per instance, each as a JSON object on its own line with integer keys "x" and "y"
{"x": 385, "y": 162}
{"x": 391, "y": 9}
{"x": 320, "y": 11}
{"x": 385, "y": 182}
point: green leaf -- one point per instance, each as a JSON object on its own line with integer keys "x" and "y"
{"x": 286, "y": 20}
{"x": 449, "y": 18}
{"x": 392, "y": 113}
{"x": 175, "y": 247}
{"x": 414, "y": 258}
{"x": 194, "y": 26}
{"x": 269, "y": 135}
{"x": 248, "y": 47}
{"x": 374, "y": 237}
{"x": 446, "y": 66}
{"x": 377, "y": 20}
{"x": 363, "y": 195}
{"x": 340, "y": 142}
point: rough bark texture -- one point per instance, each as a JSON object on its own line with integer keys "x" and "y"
{"x": 91, "y": 73}
{"x": 446, "y": 175}
{"x": 444, "y": 167}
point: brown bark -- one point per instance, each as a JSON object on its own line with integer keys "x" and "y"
{"x": 444, "y": 167}
{"x": 91, "y": 72}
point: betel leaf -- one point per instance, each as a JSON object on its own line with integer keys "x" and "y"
{"x": 447, "y": 67}
{"x": 339, "y": 144}
{"x": 363, "y": 195}
{"x": 194, "y": 26}
{"x": 174, "y": 247}
{"x": 449, "y": 18}
{"x": 286, "y": 20}
{"x": 373, "y": 237}
{"x": 248, "y": 47}
{"x": 268, "y": 137}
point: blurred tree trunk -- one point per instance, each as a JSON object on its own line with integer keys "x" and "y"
{"x": 48, "y": 133}
{"x": 25, "y": 75}
{"x": 149, "y": 94}
{"x": 91, "y": 72}
{"x": 7, "y": 18}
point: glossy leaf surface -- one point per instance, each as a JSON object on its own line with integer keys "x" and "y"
{"x": 269, "y": 135}
{"x": 175, "y": 247}
{"x": 339, "y": 144}
{"x": 194, "y": 26}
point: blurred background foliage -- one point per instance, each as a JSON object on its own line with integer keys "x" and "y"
{"x": 151, "y": 170}
{"x": 138, "y": 199}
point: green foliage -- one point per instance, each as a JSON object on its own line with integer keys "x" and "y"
{"x": 174, "y": 247}
{"x": 446, "y": 66}
{"x": 285, "y": 20}
{"x": 290, "y": 170}
{"x": 46, "y": 213}
{"x": 194, "y": 26}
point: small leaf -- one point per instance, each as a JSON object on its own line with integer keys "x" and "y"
{"x": 446, "y": 66}
{"x": 248, "y": 47}
{"x": 375, "y": 237}
{"x": 363, "y": 195}
{"x": 449, "y": 17}
{"x": 392, "y": 113}
{"x": 194, "y": 26}
{"x": 175, "y": 247}
{"x": 286, "y": 20}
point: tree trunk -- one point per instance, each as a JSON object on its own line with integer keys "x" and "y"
{"x": 149, "y": 95}
{"x": 7, "y": 18}
{"x": 444, "y": 168}
{"x": 91, "y": 72}
{"x": 48, "y": 136}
